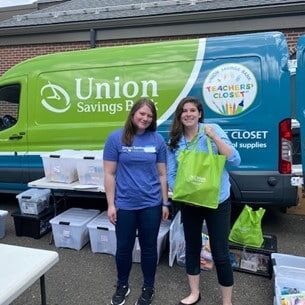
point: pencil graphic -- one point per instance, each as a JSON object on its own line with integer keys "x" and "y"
{"x": 218, "y": 108}
{"x": 227, "y": 108}
{"x": 230, "y": 109}
{"x": 223, "y": 108}
{"x": 240, "y": 107}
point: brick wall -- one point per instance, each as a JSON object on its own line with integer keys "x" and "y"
{"x": 12, "y": 55}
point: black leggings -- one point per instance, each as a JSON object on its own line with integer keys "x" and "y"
{"x": 218, "y": 224}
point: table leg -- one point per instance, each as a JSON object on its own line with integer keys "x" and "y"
{"x": 43, "y": 290}
{"x": 56, "y": 204}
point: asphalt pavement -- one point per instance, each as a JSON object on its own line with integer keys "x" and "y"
{"x": 84, "y": 278}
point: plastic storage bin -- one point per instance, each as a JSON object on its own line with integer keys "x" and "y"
{"x": 254, "y": 260}
{"x": 34, "y": 226}
{"x": 162, "y": 239}
{"x": 34, "y": 201}
{"x": 70, "y": 227}
{"x": 289, "y": 278}
{"x": 60, "y": 166}
{"x": 89, "y": 165}
{"x": 3, "y": 215}
{"x": 102, "y": 235}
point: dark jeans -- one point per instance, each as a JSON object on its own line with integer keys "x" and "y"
{"x": 218, "y": 224}
{"x": 146, "y": 222}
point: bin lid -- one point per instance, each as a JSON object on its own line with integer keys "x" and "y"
{"x": 62, "y": 153}
{"x": 75, "y": 217}
{"x": 34, "y": 194}
{"x": 101, "y": 221}
{"x": 90, "y": 155}
{"x": 3, "y": 213}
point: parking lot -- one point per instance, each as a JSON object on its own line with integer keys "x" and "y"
{"x": 84, "y": 278}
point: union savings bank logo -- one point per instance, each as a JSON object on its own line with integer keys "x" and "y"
{"x": 55, "y": 98}
{"x": 229, "y": 89}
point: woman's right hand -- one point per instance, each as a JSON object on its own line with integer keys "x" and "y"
{"x": 112, "y": 214}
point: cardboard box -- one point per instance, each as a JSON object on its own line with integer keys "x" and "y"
{"x": 299, "y": 209}
{"x": 34, "y": 226}
{"x": 254, "y": 260}
{"x": 70, "y": 227}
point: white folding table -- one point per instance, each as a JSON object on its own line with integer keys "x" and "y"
{"x": 20, "y": 267}
{"x": 74, "y": 186}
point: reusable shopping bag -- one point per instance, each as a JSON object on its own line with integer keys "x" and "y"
{"x": 177, "y": 245}
{"x": 247, "y": 229}
{"x": 198, "y": 177}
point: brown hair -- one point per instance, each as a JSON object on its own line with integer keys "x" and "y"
{"x": 130, "y": 129}
{"x": 177, "y": 127}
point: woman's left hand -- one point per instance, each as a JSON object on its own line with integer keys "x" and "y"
{"x": 165, "y": 212}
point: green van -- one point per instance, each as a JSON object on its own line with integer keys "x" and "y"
{"x": 73, "y": 100}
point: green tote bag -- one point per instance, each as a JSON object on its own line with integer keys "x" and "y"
{"x": 247, "y": 229}
{"x": 198, "y": 177}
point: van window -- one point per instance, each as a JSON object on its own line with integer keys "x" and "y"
{"x": 9, "y": 105}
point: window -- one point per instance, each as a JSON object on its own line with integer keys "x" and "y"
{"x": 9, "y": 105}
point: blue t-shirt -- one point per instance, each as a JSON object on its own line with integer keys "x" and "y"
{"x": 137, "y": 178}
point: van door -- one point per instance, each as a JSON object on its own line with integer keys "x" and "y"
{"x": 300, "y": 97}
{"x": 13, "y": 134}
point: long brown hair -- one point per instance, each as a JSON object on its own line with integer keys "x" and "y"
{"x": 130, "y": 129}
{"x": 176, "y": 131}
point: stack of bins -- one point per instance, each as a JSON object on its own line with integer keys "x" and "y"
{"x": 289, "y": 279}
{"x": 70, "y": 227}
{"x": 32, "y": 219}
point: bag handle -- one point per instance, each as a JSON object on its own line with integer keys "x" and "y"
{"x": 194, "y": 144}
{"x": 209, "y": 144}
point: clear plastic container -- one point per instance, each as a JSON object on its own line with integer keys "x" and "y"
{"x": 102, "y": 235}
{"x": 34, "y": 201}
{"x": 3, "y": 215}
{"x": 89, "y": 166}
{"x": 60, "y": 166}
{"x": 162, "y": 239}
{"x": 70, "y": 227}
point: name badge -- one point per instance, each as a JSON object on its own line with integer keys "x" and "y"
{"x": 150, "y": 149}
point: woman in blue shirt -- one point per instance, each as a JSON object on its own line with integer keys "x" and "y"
{"x": 136, "y": 191}
{"x": 187, "y": 126}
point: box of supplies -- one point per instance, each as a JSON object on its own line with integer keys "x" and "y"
{"x": 254, "y": 260}
{"x": 34, "y": 226}
{"x": 60, "y": 166}
{"x": 34, "y": 201}
{"x": 289, "y": 278}
{"x": 161, "y": 242}
{"x": 3, "y": 215}
{"x": 102, "y": 234}
{"x": 89, "y": 165}
{"x": 70, "y": 227}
